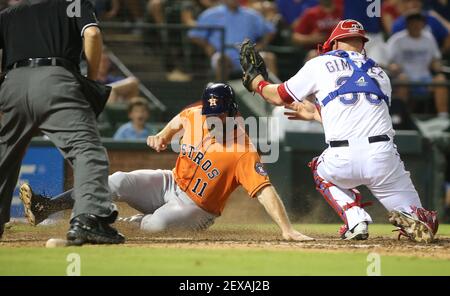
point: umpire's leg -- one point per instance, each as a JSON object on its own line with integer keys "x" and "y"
{"x": 16, "y": 130}
{"x": 84, "y": 151}
{"x": 71, "y": 125}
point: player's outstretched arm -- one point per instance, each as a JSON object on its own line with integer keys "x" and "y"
{"x": 269, "y": 198}
{"x": 255, "y": 79}
{"x": 160, "y": 141}
{"x": 254, "y": 71}
{"x": 304, "y": 110}
{"x": 269, "y": 93}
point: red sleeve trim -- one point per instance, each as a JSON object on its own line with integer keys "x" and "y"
{"x": 284, "y": 95}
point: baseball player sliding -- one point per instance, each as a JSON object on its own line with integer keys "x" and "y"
{"x": 352, "y": 97}
{"x": 214, "y": 160}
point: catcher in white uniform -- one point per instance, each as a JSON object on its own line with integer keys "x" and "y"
{"x": 352, "y": 97}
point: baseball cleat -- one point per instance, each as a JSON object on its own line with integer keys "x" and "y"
{"x": 36, "y": 206}
{"x": 421, "y": 225}
{"x": 359, "y": 232}
{"x": 90, "y": 229}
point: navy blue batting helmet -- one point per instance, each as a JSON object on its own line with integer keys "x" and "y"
{"x": 219, "y": 98}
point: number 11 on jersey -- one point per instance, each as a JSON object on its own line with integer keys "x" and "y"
{"x": 197, "y": 185}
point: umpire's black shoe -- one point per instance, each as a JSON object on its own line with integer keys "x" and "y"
{"x": 2, "y": 229}
{"x": 90, "y": 229}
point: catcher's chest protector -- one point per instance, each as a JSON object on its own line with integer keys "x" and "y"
{"x": 359, "y": 82}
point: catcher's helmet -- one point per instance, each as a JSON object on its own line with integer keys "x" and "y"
{"x": 219, "y": 98}
{"x": 344, "y": 29}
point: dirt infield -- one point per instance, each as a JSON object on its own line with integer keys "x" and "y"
{"x": 255, "y": 231}
{"x": 229, "y": 236}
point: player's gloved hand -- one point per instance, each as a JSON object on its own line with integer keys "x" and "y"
{"x": 252, "y": 64}
{"x": 304, "y": 110}
{"x": 294, "y": 235}
{"x": 157, "y": 143}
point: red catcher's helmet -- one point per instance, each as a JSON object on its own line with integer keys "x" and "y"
{"x": 344, "y": 29}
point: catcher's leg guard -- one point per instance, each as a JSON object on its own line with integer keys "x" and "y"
{"x": 345, "y": 202}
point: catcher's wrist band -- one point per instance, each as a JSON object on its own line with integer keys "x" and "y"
{"x": 261, "y": 86}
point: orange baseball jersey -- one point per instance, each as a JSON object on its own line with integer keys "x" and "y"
{"x": 209, "y": 170}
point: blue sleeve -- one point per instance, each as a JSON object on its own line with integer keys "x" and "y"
{"x": 262, "y": 27}
{"x": 269, "y": 27}
{"x": 120, "y": 133}
{"x": 282, "y": 10}
{"x": 203, "y": 20}
{"x": 399, "y": 25}
{"x": 440, "y": 32}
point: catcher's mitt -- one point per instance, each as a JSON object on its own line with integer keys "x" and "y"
{"x": 252, "y": 64}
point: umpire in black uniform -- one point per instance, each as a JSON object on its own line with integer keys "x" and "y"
{"x": 42, "y": 41}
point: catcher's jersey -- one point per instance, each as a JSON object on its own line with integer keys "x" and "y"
{"x": 209, "y": 171}
{"x": 350, "y": 116}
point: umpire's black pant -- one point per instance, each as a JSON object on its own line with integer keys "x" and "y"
{"x": 50, "y": 100}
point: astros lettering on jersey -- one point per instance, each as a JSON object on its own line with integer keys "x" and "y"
{"x": 209, "y": 172}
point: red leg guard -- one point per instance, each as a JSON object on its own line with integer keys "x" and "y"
{"x": 324, "y": 188}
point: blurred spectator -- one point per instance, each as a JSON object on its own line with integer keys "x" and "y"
{"x": 444, "y": 20}
{"x": 390, "y": 11}
{"x": 358, "y": 10}
{"x": 109, "y": 9}
{"x": 122, "y": 88}
{"x": 437, "y": 28}
{"x": 267, "y": 8}
{"x": 171, "y": 12}
{"x": 317, "y": 23}
{"x": 137, "y": 128}
{"x": 291, "y": 10}
{"x": 412, "y": 53}
{"x": 136, "y": 11}
{"x": 442, "y": 7}
{"x": 191, "y": 10}
{"x": 239, "y": 23}
{"x": 156, "y": 10}
{"x": 106, "y": 9}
